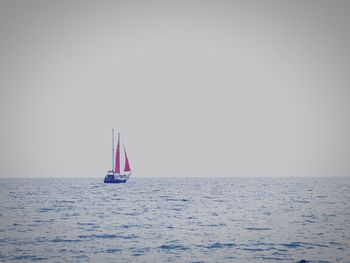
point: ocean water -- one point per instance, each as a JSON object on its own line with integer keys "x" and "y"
{"x": 175, "y": 220}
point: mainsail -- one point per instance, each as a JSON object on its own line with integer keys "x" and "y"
{"x": 127, "y": 165}
{"x": 117, "y": 158}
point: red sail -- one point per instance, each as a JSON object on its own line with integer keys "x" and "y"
{"x": 117, "y": 159}
{"x": 127, "y": 165}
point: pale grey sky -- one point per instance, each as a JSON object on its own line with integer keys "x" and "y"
{"x": 196, "y": 88}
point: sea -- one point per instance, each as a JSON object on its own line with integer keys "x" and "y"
{"x": 189, "y": 219}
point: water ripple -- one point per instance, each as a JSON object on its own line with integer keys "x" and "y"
{"x": 175, "y": 220}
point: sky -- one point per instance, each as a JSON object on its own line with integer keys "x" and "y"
{"x": 196, "y": 88}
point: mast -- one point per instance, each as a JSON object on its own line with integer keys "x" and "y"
{"x": 112, "y": 149}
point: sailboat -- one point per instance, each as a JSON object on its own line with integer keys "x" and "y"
{"x": 115, "y": 176}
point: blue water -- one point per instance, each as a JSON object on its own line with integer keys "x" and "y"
{"x": 175, "y": 220}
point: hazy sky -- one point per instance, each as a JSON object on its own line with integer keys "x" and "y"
{"x": 196, "y": 88}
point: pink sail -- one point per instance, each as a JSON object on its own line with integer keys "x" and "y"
{"x": 117, "y": 159}
{"x": 127, "y": 165}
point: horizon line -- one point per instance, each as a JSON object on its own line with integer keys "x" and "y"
{"x": 218, "y": 177}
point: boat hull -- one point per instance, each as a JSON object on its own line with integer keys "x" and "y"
{"x": 114, "y": 181}
{"x": 114, "y": 178}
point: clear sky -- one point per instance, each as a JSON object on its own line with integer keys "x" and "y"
{"x": 196, "y": 88}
